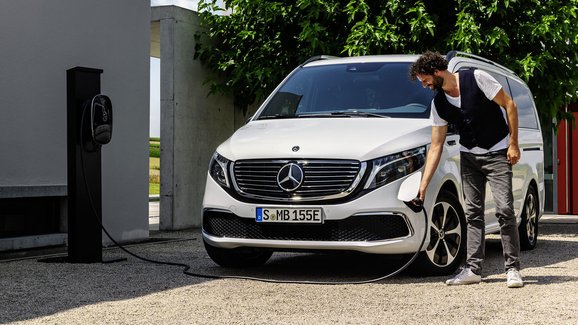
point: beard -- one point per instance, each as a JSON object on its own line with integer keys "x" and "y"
{"x": 438, "y": 82}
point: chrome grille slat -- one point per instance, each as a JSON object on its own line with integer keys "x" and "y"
{"x": 254, "y": 179}
{"x": 262, "y": 187}
{"x": 328, "y": 171}
{"x": 314, "y": 191}
{"x": 263, "y": 190}
{"x": 323, "y": 176}
{"x": 320, "y": 185}
{"x": 335, "y": 182}
{"x": 323, "y": 168}
{"x": 258, "y": 181}
{"x": 322, "y": 179}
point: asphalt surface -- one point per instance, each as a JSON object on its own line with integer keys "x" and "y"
{"x": 137, "y": 292}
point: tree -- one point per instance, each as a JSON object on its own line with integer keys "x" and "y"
{"x": 259, "y": 41}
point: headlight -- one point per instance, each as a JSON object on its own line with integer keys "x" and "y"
{"x": 390, "y": 168}
{"x": 218, "y": 169}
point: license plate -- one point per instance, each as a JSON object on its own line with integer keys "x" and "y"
{"x": 290, "y": 215}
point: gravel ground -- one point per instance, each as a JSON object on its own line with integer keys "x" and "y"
{"x": 136, "y": 292}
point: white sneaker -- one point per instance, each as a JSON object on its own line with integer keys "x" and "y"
{"x": 466, "y": 276}
{"x": 514, "y": 279}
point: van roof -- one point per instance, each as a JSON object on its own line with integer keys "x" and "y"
{"x": 453, "y": 56}
{"x": 328, "y": 60}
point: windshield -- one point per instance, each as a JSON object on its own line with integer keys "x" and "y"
{"x": 380, "y": 89}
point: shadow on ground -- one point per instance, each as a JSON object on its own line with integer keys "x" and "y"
{"x": 31, "y": 289}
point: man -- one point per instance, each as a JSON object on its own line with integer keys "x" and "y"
{"x": 471, "y": 100}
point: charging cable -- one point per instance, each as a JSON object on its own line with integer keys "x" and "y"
{"x": 416, "y": 205}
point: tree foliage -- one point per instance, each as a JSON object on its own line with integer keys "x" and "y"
{"x": 255, "y": 43}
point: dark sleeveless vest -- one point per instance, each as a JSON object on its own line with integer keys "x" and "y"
{"x": 479, "y": 120}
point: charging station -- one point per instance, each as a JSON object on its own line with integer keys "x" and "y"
{"x": 89, "y": 124}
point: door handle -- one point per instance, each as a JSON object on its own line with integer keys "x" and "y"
{"x": 451, "y": 142}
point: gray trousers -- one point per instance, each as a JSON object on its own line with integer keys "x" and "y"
{"x": 477, "y": 170}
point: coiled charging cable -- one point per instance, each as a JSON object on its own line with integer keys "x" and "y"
{"x": 416, "y": 205}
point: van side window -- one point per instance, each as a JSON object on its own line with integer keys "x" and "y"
{"x": 502, "y": 80}
{"x": 525, "y": 104}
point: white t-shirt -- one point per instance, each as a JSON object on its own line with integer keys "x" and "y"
{"x": 490, "y": 87}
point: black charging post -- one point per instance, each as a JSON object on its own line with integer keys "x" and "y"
{"x": 84, "y": 230}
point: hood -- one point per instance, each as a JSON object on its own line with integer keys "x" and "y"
{"x": 326, "y": 138}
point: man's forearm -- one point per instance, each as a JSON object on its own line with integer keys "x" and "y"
{"x": 432, "y": 162}
{"x": 512, "y": 114}
{"x": 433, "y": 157}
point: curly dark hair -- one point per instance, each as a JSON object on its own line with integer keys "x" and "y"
{"x": 428, "y": 63}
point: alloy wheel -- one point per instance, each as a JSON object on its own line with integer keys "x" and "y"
{"x": 445, "y": 235}
{"x": 531, "y": 217}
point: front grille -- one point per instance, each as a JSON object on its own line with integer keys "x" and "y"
{"x": 322, "y": 179}
{"x": 355, "y": 228}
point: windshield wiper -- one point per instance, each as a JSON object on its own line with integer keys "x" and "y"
{"x": 357, "y": 113}
{"x": 316, "y": 115}
{"x": 345, "y": 114}
{"x": 277, "y": 116}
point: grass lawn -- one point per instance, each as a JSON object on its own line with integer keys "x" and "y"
{"x": 154, "y": 188}
{"x": 154, "y": 148}
{"x": 154, "y": 166}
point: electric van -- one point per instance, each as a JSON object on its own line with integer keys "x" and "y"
{"x": 319, "y": 165}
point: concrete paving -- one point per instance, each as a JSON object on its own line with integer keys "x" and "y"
{"x": 559, "y": 218}
{"x": 138, "y": 292}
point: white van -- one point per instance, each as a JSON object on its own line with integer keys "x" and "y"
{"x": 319, "y": 165}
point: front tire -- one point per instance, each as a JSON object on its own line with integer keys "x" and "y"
{"x": 528, "y": 228}
{"x": 238, "y": 257}
{"x": 446, "y": 248}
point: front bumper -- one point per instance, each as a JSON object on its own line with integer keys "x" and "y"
{"x": 375, "y": 223}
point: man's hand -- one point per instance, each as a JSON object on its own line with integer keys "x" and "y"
{"x": 421, "y": 194}
{"x": 513, "y": 154}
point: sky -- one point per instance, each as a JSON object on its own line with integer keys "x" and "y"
{"x": 189, "y": 4}
{"x": 155, "y": 115}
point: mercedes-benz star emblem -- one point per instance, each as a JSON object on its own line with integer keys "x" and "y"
{"x": 295, "y": 149}
{"x": 290, "y": 177}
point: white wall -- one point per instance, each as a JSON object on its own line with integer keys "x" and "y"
{"x": 39, "y": 41}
